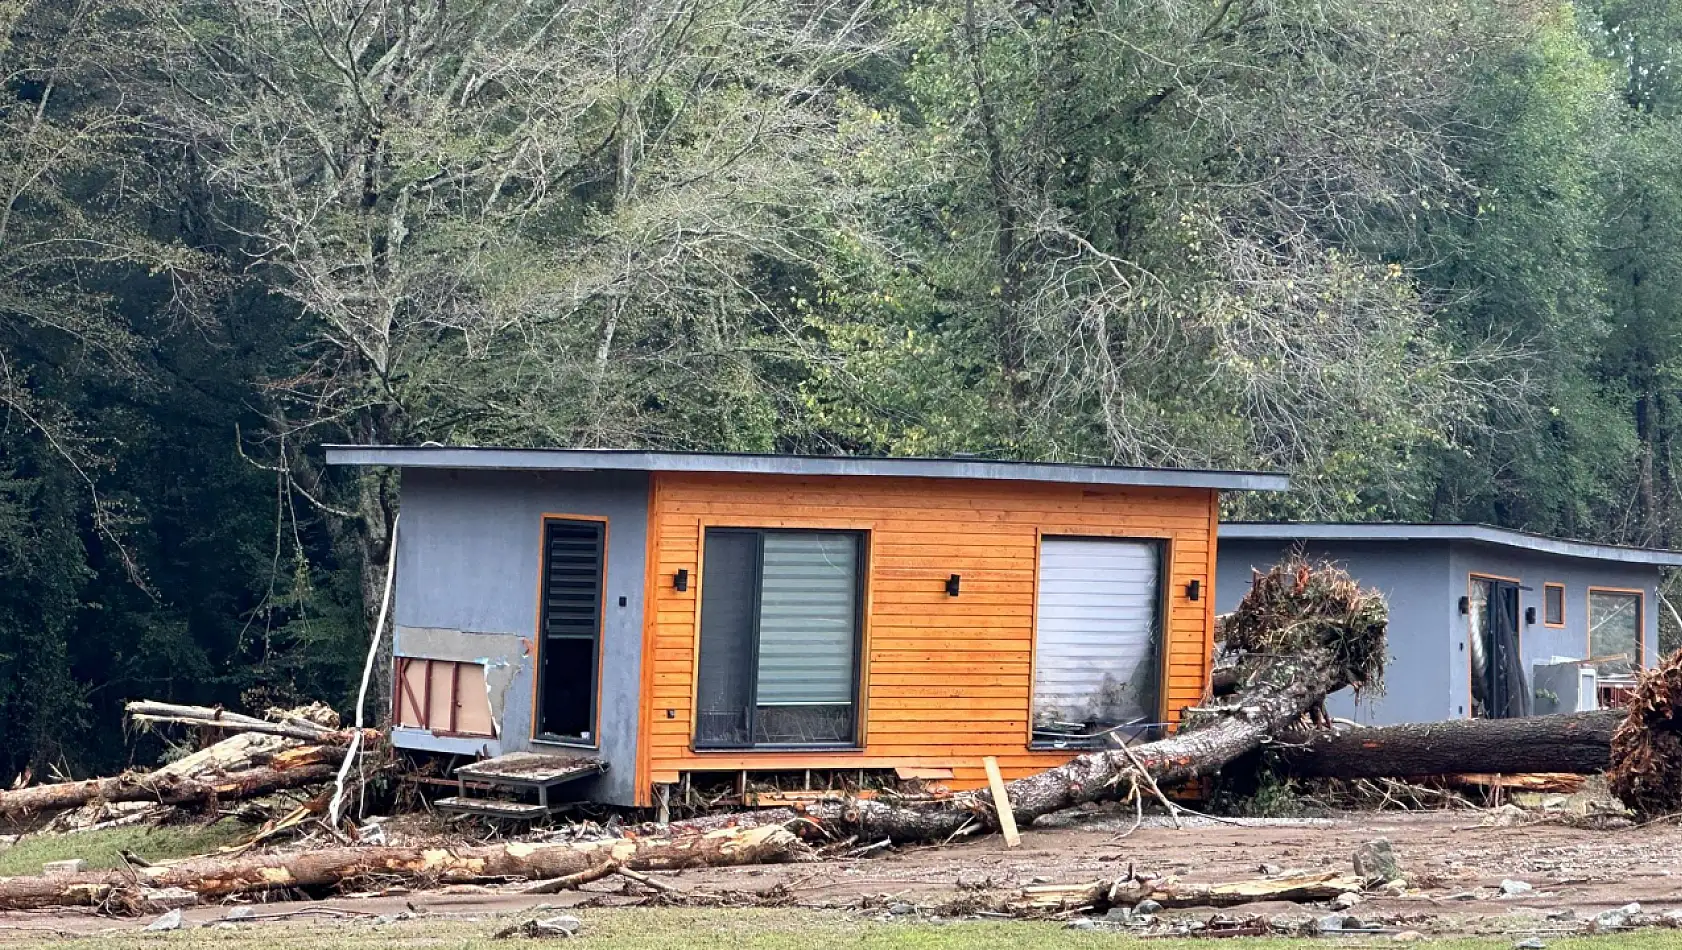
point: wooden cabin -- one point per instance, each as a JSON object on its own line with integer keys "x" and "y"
{"x": 666, "y": 619}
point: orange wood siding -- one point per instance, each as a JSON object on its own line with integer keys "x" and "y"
{"x": 948, "y": 680}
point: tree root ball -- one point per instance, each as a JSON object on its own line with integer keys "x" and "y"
{"x": 1299, "y": 605}
{"x": 1646, "y": 772}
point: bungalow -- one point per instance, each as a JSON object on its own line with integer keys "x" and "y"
{"x": 658, "y": 617}
{"x": 1483, "y": 621}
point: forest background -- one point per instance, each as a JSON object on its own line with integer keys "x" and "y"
{"x": 1424, "y": 256}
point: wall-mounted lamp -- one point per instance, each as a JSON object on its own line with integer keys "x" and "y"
{"x": 952, "y": 584}
{"x": 1530, "y": 616}
{"x": 1465, "y": 606}
{"x": 1194, "y": 590}
{"x": 680, "y": 581}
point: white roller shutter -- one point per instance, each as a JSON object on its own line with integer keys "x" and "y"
{"x": 1095, "y": 649}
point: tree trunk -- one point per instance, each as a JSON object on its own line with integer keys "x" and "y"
{"x": 1572, "y": 742}
{"x": 163, "y": 788}
{"x": 324, "y": 868}
{"x": 1645, "y": 493}
{"x": 1278, "y": 695}
{"x": 211, "y": 717}
{"x": 1129, "y": 891}
{"x": 226, "y": 771}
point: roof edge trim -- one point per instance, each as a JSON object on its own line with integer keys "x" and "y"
{"x": 1464, "y": 533}
{"x": 506, "y": 459}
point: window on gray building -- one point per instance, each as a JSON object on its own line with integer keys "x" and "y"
{"x": 1615, "y": 630}
{"x": 1553, "y": 605}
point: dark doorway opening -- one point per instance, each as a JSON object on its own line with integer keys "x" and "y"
{"x": 570, "y": 630}
{"x": 1500, "y": 689}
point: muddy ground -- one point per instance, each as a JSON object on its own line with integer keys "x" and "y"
{"x": 1455, "y": 861}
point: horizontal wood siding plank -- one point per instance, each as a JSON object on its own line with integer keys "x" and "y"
{"x": 880, "y": 716}
{"x": 949, "y": 678}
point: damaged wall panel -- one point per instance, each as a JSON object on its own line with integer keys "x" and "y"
{"x": 443, "y": 696}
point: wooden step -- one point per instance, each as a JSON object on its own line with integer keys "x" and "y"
{"x": 531, "y": 770}
{"x": 490, "y": 808}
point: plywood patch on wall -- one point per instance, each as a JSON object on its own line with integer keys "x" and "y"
{"x": 447, "y": 697}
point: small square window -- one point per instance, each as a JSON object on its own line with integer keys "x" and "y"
{"x": 1553, "y": 605}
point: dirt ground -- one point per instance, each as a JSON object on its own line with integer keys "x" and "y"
{"x": 1455, "y": 862}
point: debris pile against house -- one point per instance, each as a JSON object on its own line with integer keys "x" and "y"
{"x": 263, "y": 756}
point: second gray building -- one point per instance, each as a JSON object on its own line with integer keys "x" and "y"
{"x": 1483, "y": 621}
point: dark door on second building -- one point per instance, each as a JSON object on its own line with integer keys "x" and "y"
{"x": 1500, "y": 689}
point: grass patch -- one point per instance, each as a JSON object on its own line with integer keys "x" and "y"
{"x": 686, "y": 929}
{"x": 100, "y": 848}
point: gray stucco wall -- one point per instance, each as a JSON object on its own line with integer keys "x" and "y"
{"x": 1429, "y": 674}
{"x": 1538, "y": 642}
{"x": 1418, "y": 687}
{"x": 468, "y": 552}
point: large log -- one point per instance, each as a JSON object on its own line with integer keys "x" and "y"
{"x": 286, "y": 769}
{"x": 1570, "y": 742}
{"x": 323, "y": 869}
{"x": 1303, "y": 632}
{"x": 1171, "y": 892}
{"x": 211, "y": 717}
{"x": 1279, "y": 693}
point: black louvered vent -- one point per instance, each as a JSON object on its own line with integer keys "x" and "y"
{"x": 573, "y": 579}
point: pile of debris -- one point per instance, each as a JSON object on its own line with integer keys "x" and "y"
{"x": 290, "y": 750}
{"x": 1300, "y": 607}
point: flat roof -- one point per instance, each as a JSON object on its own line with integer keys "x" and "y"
{"x": 631, "y": 460}
{"x": 1474, "y": 533}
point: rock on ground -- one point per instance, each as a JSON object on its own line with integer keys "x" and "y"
{"x": 1376, "y": 861}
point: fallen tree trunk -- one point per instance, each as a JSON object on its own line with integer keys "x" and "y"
{"x": 164, "y": 789}
{"x": 210, "y": 717}
{"x": 1570, "y": 742}
{"x": 327, "y": 868}
{"x": 1283, "y": 691}
{"x": 289, "y": 768}
{"x": 1169, "y": 892}
{"x": 248, "y": 750}
{"x": 1305, "y": 631}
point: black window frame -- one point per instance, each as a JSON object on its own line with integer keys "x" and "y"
{"x": 861, "y": 564}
